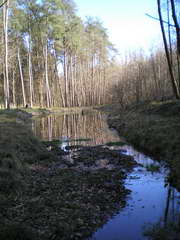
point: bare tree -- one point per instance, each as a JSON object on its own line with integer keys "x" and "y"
{"x": 175, "y": 19}
{"x": 173, "y": 80}
{"x": 22, "y": 79}
{"x": 5, "y": 32}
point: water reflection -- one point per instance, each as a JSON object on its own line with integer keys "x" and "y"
{"x": 172, "y": 210}
{"x": 150, "y": 202}
{"x": 75, "y": 126}
{"x": 140, "y": 158}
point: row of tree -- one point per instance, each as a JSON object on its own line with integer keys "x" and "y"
{"x": 156, "y": 77}
{"x": 141, "y": 78}
{"x": 51, "y": 58}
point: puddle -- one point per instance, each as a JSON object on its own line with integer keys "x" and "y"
{"x": 150, "y": 201}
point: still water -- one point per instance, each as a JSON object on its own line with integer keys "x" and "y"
{"x": 92, "y": 127}
{"x": 150, "y": 203}
{"x": 151, "y": 200}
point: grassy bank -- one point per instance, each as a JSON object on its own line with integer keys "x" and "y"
{"x": 42, "y": 196}
{"x": 153, "y": 128}
{"x": 18, "y": 147}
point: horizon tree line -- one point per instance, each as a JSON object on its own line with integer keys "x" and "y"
{"x": 51, "y": 58}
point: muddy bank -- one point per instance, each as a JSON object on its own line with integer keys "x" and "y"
{"x": 57, "y": 195}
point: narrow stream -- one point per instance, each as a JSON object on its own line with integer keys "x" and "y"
{"x": 151, "y": 200}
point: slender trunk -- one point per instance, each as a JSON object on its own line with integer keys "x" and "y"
{"x": 48, "y": 93}
{"x": 13, "y": 89}
{"x": 175, "y": 19}
{"x": 174, "y": 16}
{"x": 169, "y": 33}
{"x": 22, "y": 79}
{"x": 66, "y": 80}
{"x": 30, "y": 81}
{"x": 6, "y": 55}
{"x": 72, "y": 82}
{"x": 30, "y": 75}
{"x": 41, "y": 85}
{"x": 56, "y": 68}
{"x": 173, "y": 80}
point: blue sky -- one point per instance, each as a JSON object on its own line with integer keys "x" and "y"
{"x": 125, "y": 20}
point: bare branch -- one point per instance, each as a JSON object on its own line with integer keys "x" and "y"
{"x": 171, "y": 25}
{"x": 1, "y": 5}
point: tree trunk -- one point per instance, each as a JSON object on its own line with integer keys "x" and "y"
{"x": 56, "y": 68}
{"x": 173, "y": 80}
{"x": 13, "y": 89}
{"x": 66, "y": 79}
{"x": 30, "y": 74}
{"x": 48, "y": 93}
{"x": 5, "y": 28}
{"x": 175, "y": 19}
{"x": 22, "y": 79}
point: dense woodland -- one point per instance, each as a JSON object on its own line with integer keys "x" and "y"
{"x": 51, "y": 58}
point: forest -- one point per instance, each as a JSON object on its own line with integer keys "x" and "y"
{"x": 51, "y": 58}
{"x": 89, "y": 138}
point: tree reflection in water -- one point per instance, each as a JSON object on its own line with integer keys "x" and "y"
{"x": 168, "y": 226}
{"x": 172, "y": 210}
{"x": 75, "y": 126}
